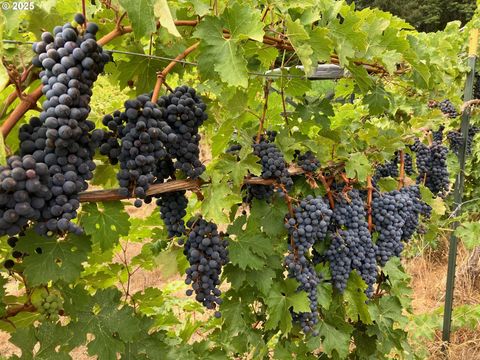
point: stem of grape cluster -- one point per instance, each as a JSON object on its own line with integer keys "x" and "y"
{"x": 327, "y": 189}
{"x": 84, "y": 12}
{"x": 288, "y": 201}
{"x": 162, "y": 75}
{"x": 266, "y": 92}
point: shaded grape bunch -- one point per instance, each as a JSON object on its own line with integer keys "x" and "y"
{"x": 391, "y": 168}
{"x": 142, "y": 133}
{"x": 307, "y": 161}
{"x": 206, "y": 252}
{"x": 61, "y": 140}
{"x": 437, "y": 179}
{"x": 423, "y": 155}
{"x": 351, "y": 247}
{"x": 172, "y": 210}
{"x": 272, "y": 160}
{"x": 260, "y": 192}
{"x": 50, "y": 307}
{"x": 455, "y": 140}
{"x": 388, "y": 224}
{"x": 438, "y": 134}
{"x": 23, "y": 193}
{"x": 447, "y": 108}
{"x": 396, "y": 218}
{"x": 411, "y": 210}
{"x": 387, "y": 169}
{"x": 308, "y": 225}
{"x": 273, "y": 167}
{"x": 184, "y": 112}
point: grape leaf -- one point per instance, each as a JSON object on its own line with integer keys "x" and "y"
{"x": 162, "y": 12}
{"x": 262, "y": 279}
{"x": 377, "y": 100}
{"x": 250, "y": 248}
{"x": 60, "y": 259}
{"x": 356, "y": 299}
{"x": 141, "y": 14}
{"x": 358, "y": 166}
{"x": 223, "y": 54}
{"x": 105, "y": 222}
{"x": 281, "y": 298}
{"x": 219, "y": 198}
{"x": 100, "y": 316}
{"x": 335, "y": 339}
{"x": 468, "y": 232}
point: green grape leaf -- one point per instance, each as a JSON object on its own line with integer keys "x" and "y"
{"x": 105, "y": 223}
{"x": 468, "y": 232}
{"x": 141, "y": 14}
{"x": 335, "y": 339}
{"x": 250, "y": 248}
{"x": 262, "y": 279}
{"x": 60, "y": 259}
{"x": 356, "y": 299}
{"x": 219, "y": 198}
{"x": 377, "y": 100}
{"x": 162, "y": 12}
{"x": 105, "y": 175}
{"x": 101, "y": 316}
{"x": 222, "y": 55}
{"x": 358, "y": 166}
{"x": 270, "y": 217}
{"x": 243, "y": 22}
{"x": 281, "y": 298}
{"x": 324, "y": 295}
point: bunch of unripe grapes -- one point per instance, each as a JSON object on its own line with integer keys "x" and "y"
{"x": 50, "y": 307}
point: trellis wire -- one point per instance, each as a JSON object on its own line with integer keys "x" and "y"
{"x": 163, "y": 58}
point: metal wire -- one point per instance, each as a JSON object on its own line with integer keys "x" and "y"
{"x": 162, "y": 58}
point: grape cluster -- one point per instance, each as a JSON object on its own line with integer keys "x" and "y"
{"x": 396, "y": 217}
{"x": 273, "y": 167}
{"x": 272, "y": 160}
{"x": 308, "y": 225}
{"x": 437, "y": 179}
{"x": 438, "y": 134}
{"x": 23, "y": 193}
{"x": 432, "y": 166}
{"x": 184, "y": 112}
{"x": 422, "y": 158}
{"x": 56, "y": 148}
{"x": 351, "y": 247}
{"x": 308, "y": 161}
{"x": 391, "y": 168}
{"x": 50, "y": 306}
{"x": 142, "y": 133}
{"x": 387, "y": 169}
{"x": 448, "y": 108}
{"x": 206, "y": 251}
{"x": 455, "y": 140}
{"x": 172, "y": 210}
